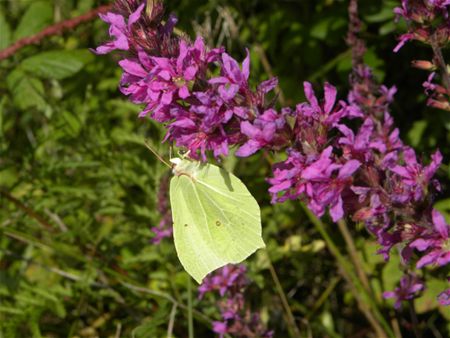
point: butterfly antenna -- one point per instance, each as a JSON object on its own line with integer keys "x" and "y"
{"x": 150, "y": 147}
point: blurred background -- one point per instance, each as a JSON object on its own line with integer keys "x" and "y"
{"x": 79, "y": 190}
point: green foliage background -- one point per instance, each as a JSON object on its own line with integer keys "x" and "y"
{"x": 79, "y": 187}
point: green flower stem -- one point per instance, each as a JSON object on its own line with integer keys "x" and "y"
{"x": 365, "y": 302}
{"x": 351, "y": 249}
{"x": 293, "y": 329}
{"x": 190, "y": 320}
{"x": 324, "y": 296}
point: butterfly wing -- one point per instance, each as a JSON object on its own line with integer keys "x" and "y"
{"x": 216, "y": 219}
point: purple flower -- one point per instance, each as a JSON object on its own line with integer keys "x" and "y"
{"x": 261, "y": 133}
{"x": 444, "y": 298}
{"x": 414, "y": 177}
{"x": 357, "y": 146}
{"x": 404, "y": 38}
{"x": 324, "y": 113}
{"x": 220, "y": 328}
{"x": 237, "y": 320}
{"x": 435, "y": 243}
{"x": 287, "y": 178}
{"x": 119, "y": 30}
{"x": 409, "y": 286}
{"x": 441, "y": 4}
{"x": 327, "y": 186}
{"x": 232, "y": 78}
{"x": 226, "y": 279}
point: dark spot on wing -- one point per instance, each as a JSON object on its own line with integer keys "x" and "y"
{"x": 218, "y": 223}
{"x": 185, "y": 225}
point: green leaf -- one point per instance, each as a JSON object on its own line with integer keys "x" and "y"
{"x": 38, "y": 15}
{"x": 5, "y": 32}
{"x": 416, "y": 132}
{"x": 320, "y": 30}
{"x": 27, "y": 91}
{"x": 55, "y": 64}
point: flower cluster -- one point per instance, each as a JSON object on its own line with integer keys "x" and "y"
{"x": 230, "y": 283}
{"x": 202, "y": 96}
{"x": 367, "y": 173}
{"x": 421, "y": 15}
{"x": 429, "y": 23}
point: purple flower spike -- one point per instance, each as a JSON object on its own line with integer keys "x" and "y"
{"x": 410, "y": 285}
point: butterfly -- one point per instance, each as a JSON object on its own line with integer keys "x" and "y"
{"x": 216, "y": 220}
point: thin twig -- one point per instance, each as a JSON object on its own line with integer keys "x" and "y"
{"x": 52, "y": 30}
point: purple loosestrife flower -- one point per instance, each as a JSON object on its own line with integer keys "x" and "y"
{"x": 220, "y": 328}
{"x": 237, "y": 320}
{"x": 435, "y": 243}
{"x": 287, "y": 178}
{"x": 357, "y": 146}
{"x": 410, "y": 285}
{"x": 230, "y": 278}
{"x": 119, "y": 30}
{"x": 414, "y": 177}
{"x": 444, "y": 298}
{"x": 232, "y": 78}
{"x": 328, "y": 181}
{"x": 262, "y": 133}
{"x": 326, "y": 114}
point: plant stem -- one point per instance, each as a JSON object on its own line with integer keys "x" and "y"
{"x": 415, "y": 322}
{"x": 324, "y": 296}
{"x": 351, "y": 249}
{"x": 439, "y": 58}
{"x": 293, "y": 329}
{"x": 55, "y": 29}
{"x": 190, "y": 320}
{"x": 365, "y": 302}
{"x": 31, "y": 213}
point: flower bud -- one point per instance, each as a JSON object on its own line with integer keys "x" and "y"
{"x": 423, "y": 64}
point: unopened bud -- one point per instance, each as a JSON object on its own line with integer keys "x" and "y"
{"x": 423, "y": 64}
{"x": 444, "y": 105}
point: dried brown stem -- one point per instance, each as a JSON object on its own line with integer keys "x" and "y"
{"x": 52, "y": 30}
{"x": 31, "y": 213}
